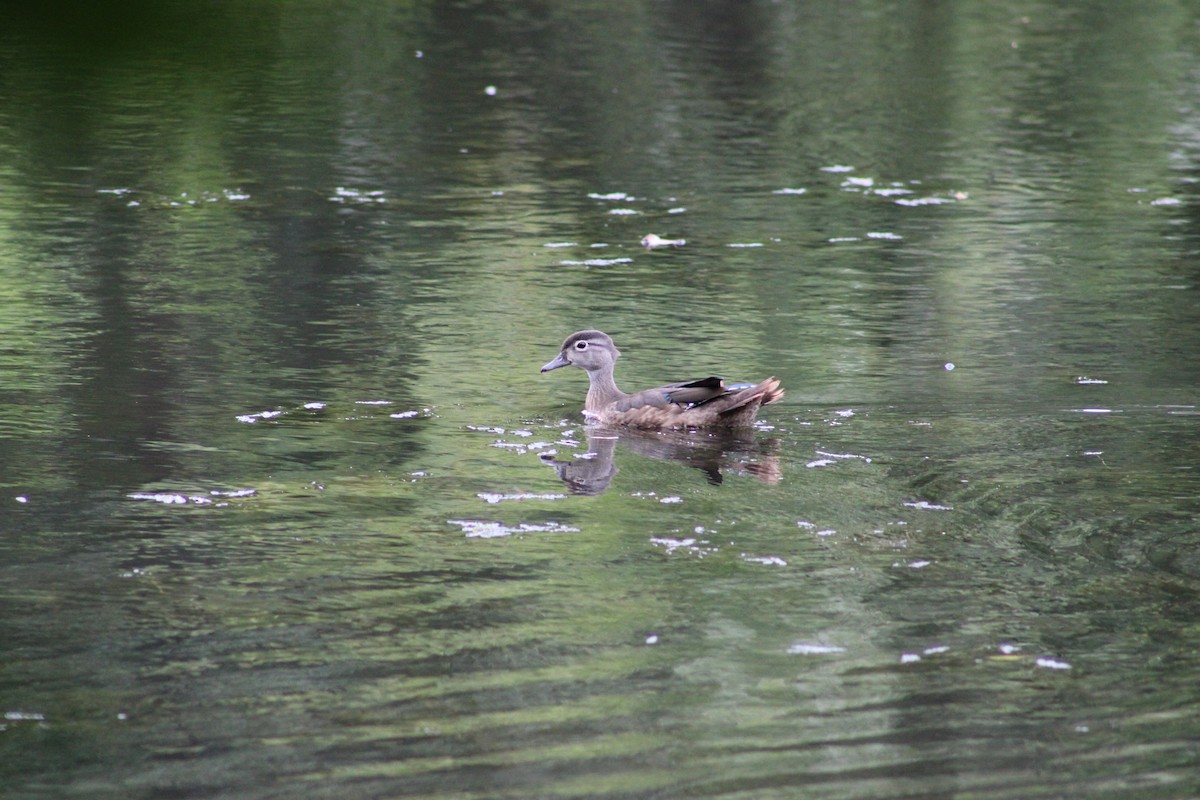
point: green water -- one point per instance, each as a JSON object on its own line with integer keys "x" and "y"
{"x": 289, "y": 511}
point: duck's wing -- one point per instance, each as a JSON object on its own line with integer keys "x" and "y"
{"x": 684, "y": 394}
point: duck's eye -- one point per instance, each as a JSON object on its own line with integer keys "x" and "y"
{"x": 581, "y": 345}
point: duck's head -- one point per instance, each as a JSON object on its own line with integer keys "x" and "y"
{"x": 589, "y": 350}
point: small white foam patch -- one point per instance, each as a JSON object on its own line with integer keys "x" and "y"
{"x": 811, "y": 649}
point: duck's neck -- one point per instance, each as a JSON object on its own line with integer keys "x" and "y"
{"x": 602, "y": 391}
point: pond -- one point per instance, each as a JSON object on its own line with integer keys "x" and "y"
{"x": 289, "y": 510}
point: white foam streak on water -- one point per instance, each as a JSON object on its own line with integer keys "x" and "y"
{"x": 770, "y": 561}
{"x": 492, "y": 499}
{"x": 488, "y": 529}
{"x": 812, "y": 649}
{"x": 925, "y": 505}
{"x": 596, "y": 262}
{"x": 1052, "y": 663}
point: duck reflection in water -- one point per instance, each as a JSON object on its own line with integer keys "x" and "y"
{"x": 713, "y": 454}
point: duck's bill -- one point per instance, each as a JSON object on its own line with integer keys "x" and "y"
{"x": 559, "y": 361}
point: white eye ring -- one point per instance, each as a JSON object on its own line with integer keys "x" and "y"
{"x": 581, "y": 345}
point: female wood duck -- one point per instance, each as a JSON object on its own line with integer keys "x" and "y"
{"x": 706, "y": 403}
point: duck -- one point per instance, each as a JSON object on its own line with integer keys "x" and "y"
{"x": 688, "y": 405}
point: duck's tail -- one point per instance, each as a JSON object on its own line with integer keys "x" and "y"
{"x": 743, "y": 406}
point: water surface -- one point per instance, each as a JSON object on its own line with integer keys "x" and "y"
{"x": 290, "y": 512}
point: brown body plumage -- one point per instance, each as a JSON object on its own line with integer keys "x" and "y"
{"x": 705, "y": 403}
